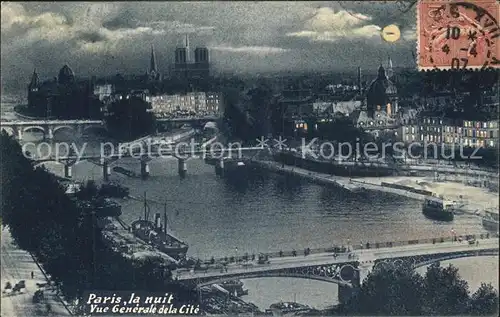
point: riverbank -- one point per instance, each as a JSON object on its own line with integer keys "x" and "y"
{"x": 20, "y": 111}
{"x": 321, "y": 178}
{"x": 470, "y": 198}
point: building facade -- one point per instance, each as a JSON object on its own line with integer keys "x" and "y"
{"x": 193, "y": 103}
{"x": 451, "y": 132}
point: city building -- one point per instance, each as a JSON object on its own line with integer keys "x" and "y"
{"x": 381, "y": 96}
{"x": 380, "y": 109}
{"x": 185, "y": 68}
{"x": 64, "y": 96}
{"x": 451, "y": 131}
{"x": 192, "y": 103}
{"x": 104, "y": 91}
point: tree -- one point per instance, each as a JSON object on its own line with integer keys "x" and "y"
{"x": 484, "y": 301}
{"x": 400, "y": 291}
{"x": 391, "y": 290}
{"x": 446, "y": 292}
{"x": 130, "y": 118}
{"x": 65, "y": 239}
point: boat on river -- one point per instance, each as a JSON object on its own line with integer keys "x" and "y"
{"x": 288, "y": 309}
{"x": 439, "y": 209}
{"x": 490, "y": 220}
{"x": 156, "y": 234}
{"x": 234, "y": 287}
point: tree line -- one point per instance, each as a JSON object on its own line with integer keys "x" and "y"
{"x": 66, "y": 240}
{"x": 401, "y": 291}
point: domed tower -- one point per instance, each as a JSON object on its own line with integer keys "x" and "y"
{"x": 382, "y": 95}
{"x": 66, "y": 76}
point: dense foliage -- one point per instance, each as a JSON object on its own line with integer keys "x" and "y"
{"x": 65, "y": 239}
{"x": 401, "y": 291}
{"x": 130, "y": 118}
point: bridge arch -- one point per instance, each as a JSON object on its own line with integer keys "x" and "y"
{"x": 8, "y": 130}
{"x": 42, "y": 164}
{"x": 88, "y": 129}
{"x": 35, "y": 127}
{"x": 446, "y": 257}
{"x": 63, "y": 127}
{"x": 273, "y": 274}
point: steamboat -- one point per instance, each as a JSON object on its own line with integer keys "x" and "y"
{"x": 438, "y": 209}
{"x": 490, "y": 220}
{"x": 157, "y": 235}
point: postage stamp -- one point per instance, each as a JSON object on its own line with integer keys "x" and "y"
{"x": 458, "y": 35}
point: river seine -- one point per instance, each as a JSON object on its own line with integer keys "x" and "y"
{"x": 255, "y": 211}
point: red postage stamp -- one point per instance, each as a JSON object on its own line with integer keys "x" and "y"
{"x": 458, "y": 34}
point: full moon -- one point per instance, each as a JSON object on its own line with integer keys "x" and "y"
{"x": 391, "y": 33}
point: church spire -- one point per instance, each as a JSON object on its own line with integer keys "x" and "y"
{"x": 34, "y": 79}
{"x": 390, "y": 72}
{"x": 152, "y": 62}
{"x": 186, "y": 43}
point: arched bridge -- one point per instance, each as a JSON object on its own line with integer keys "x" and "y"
{"x": 223, "y": 156}
{"x": 346, "y": 269}
{"x": 49, "y": 127}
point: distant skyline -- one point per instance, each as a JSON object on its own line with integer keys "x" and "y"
{"x": 243, "y": 37}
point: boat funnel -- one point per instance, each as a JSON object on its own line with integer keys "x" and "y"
{"x": 158, "y": 220}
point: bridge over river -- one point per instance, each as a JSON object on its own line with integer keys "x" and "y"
{"x": 347, "y": 269}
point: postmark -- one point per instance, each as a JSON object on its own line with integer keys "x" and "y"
{"x": 456, "y": 35}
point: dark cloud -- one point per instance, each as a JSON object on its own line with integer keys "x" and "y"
{"x": 111, "y": 37}
{"x": 91, "y": 37}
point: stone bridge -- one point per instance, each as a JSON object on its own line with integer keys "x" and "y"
{"x": 50, "y": 127}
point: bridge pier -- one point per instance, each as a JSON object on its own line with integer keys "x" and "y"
{"x": 219, "y": 167}
{"x": 18, "y": 133}
{"x": 182, "y": 167}
{"x": 68, "y": 171}
{"x": 144, "y": 169}
{"x": 49, "y": 134}
{"x": 345, "y": 293}
{"x": 106, "y": 170}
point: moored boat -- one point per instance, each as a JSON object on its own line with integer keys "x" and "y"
{"x": 288, "y": 308}
{"x": 113, "y": 190}
{"x": 157, "y": 235}
{"x": 234, "y": 287}
{"x": 490, "y": 220}
{"x": 439, "y": 209}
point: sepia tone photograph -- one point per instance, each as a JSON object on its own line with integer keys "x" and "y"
{"x": 250, "y": 158}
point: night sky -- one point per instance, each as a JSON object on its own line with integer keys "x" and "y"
{"x": 243, "y": 37}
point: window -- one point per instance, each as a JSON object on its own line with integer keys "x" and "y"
{"x": 491, "y": 134}
{"x": 485, "y": 125}
{"x": 440, "y": 121}
{"x": 439, "y": 129}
